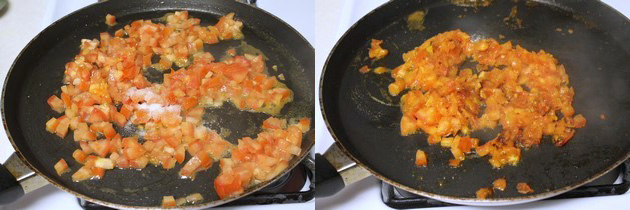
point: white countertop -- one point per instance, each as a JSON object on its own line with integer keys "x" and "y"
{"x": 334, "y": 17}
{"x": 21, "y": 20}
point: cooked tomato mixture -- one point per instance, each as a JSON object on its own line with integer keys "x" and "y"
{"x": 483, "y": 193}
{"x": 376, "y": 51}
{"x": 105, "y": 90}
{"x": 526, "y": 93}
{"x": 499, "y": 184}
{"x": 523, "y": 188}
{"x": 260, "y": 159}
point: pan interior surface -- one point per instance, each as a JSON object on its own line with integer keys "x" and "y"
{"x": 364, "y": 118}
{"x": 38, "y": 73}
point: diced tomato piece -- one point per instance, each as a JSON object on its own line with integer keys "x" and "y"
{"x": 98, "y": 173}
{"x": 180, "y": 154}
{"x": 190, "y": 167}
{"x": 168, "y": 201}
{"x": 304, "y": 124}
{"x": 126, "y": 110}
{"x": 465, "y": 144}
{"x": 79, "y": 155}
{"x": 84, "y": 173}
{"x": 83, "y": 133}
{"x": 421, "y": 158}
{"x": 139, "y": 163}
{"x": 62, "y": 128}
{"x": 195, "y": 147}
{"x": 108, "y": 130}
{"x": 294, "y": 135}
{"x": 235, "y": 72}
{"x": 169, "y": 163}
{"x": 173, "y": 142}
{"x": 274, "y": 123}
{"x": 51, "y": 125}
{"x": 189, "y": 103}
{"x": 97, "y": 115}
{"x": 119, "y": 119}
{"x": 206, "y": 161}
{"x": 100, "y": 147}
{"x": 170, "y": 119}
{"x": 201, "y": 132}
{"x": 141, "y": 116}
{"x": 194, "y": 115}
{"x": 134, "y": 152}
{"x": 67, "y": 99}
{"x": 188, "y": 129}
{"x": 74, "y": 123}
{"x": 104, "y": 163}
{"x": 85, "y": 146}
{"x": 110, "y": 20}
{"x": 56, "y": 103}
{"x": 227, "y": 185}
{"x": 61, "y": 167}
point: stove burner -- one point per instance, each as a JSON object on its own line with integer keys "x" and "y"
{"x": 287, "y": 189}
{"x": 603, "y": 186}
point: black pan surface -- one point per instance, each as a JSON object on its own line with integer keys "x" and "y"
{"x": 364, "y": 119}
{"x": 38, "y": 72}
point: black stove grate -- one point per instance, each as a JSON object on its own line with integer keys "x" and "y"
{"x": 603, "y": 186}
{"x": 288, "y": 189}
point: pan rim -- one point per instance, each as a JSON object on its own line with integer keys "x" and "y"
{"x": 449, "y": 199}
{"x": 248, "y": 191}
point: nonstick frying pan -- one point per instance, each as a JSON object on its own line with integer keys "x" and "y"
{"x": 364, "y": 120}
{"x": 37, "y": 73}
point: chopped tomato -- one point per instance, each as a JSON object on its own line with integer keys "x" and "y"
{"x": 101, "y": 147}
{"x": 126, "y": 110}
{"x": 274, "y": 123}
{"x": 61, "y": 167}
{"x": 119, "y": 119}
{"x": 523, "y": 188}
{"x": 190, "y": 167}
{"x": 51, "y": 125}
{"x": 84, "y": 173}
{"x": 110, "y": 20}
{"x": 180, "y": 154}
{"x": 79, "y": 155}
{"x": 56, "y": 103}
{"x": 168, "y": 201}
{"x": 62, "y": 128}
{"x": 421, "y": 158}
{"x": 228, "y": 185}
{"x": 499, "y": 184}
{"x": 483, "y": 193}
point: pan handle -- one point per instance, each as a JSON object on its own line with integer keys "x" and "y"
{"x": 16, "y": 179}
{"x": 334, "y": 170}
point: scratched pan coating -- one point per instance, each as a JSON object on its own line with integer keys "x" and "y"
{"x": 364, "y": 119}
{"x": 38, "y": 72}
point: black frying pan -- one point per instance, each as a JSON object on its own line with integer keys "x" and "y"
{"x": 38, "y": 71}
{"x": 365, "y": 125}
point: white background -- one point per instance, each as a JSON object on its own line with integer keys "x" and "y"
{"x": 23, "y": 19}
{"x": 334, "y": 17}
